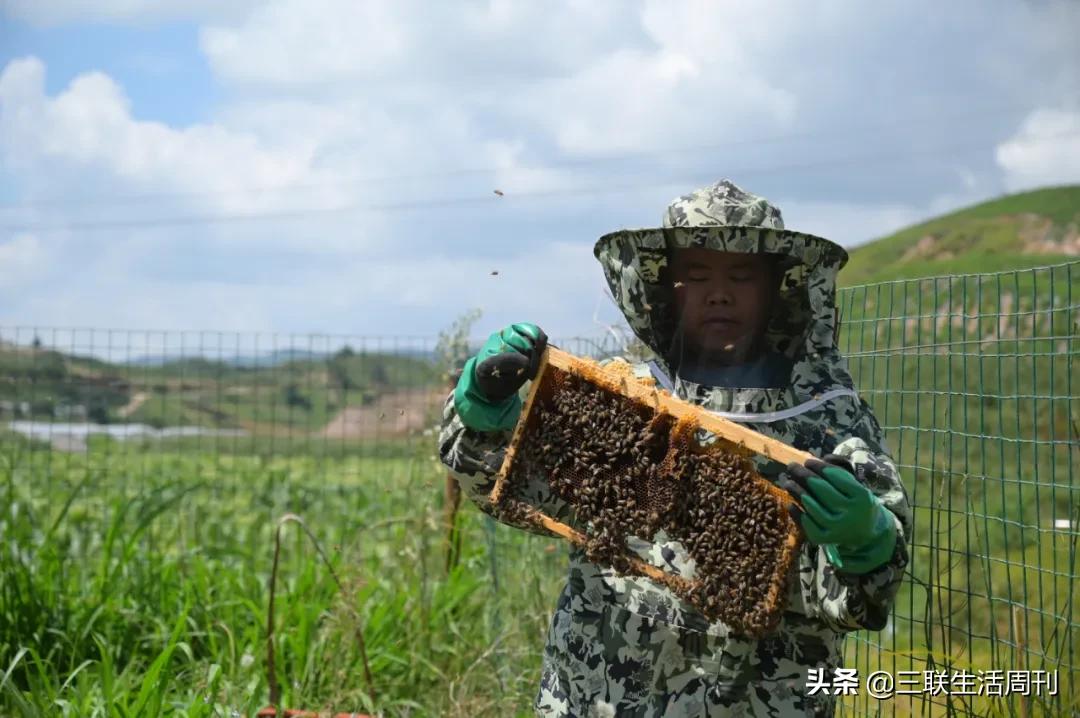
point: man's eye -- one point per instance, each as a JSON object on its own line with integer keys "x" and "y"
{"x": 697, "y": 278}
{"x": 741, "y": 277}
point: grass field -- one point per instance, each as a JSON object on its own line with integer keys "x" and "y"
{"x": 136, "y": 584}
{"x": 1020, "y": 231}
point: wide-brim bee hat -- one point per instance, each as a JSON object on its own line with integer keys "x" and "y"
{"x": 725, "y": 218}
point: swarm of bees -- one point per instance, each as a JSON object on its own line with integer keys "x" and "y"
{"x": 629, "y": 471}
{"x": 736, "y": 535}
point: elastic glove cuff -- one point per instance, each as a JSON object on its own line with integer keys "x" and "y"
{"x": 478, "y": 413}
{"x": 874, "y": 553}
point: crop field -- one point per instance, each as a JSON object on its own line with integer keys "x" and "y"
{"x": 135, "y": 583}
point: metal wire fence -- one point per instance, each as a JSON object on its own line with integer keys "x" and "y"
{"x": 116, "y": 407}
{"x": 971, "y": 377}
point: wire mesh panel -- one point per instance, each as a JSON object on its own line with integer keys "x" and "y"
{"x": 138, "y": 468}
{"x": 142, "y": 468}
{"x": 142, "y": 471}
{"x": 972, "y": 378}
{"x": 106, "y": 418}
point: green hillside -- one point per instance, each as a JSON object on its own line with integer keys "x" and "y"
{"x": 44, "y": 384}
{"x": 1029, "y": 229}
{"x": 971, "y": 376}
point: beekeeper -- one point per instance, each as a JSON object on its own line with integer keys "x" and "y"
{"x": 740, "y": 315}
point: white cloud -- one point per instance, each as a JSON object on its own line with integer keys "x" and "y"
{"x": 407, "y": 295}
{"x": 90, "y": 124}
{"x": 334, "y": 103}
{"x": 1044, "y": 151}
{"x": 599, "y": 77}
{"x": 633, "y": 100}
{"x": 311, "y": 44}
{"x": 23, "y": 258}
{"x": 379, "y": 268}
{"x": 297, "y": 43}
{"x": 148, "y": 306}
{"x": 85, "y": 143}
{"x": 848, "y": 224}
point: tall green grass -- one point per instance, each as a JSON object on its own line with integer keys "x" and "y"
{"x": 142, "y": 589}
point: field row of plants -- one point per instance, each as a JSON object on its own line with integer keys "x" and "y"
{"x": 137, "y": 584}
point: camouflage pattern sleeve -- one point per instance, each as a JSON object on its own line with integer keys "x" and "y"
{"x": 851, "y": 602}
{"x": 475, "y": 457}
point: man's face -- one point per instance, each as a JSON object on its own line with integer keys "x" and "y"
{"x": 724, "y": 300}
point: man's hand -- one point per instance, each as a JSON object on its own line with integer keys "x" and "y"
{"x": 857, "y": 532}
{"x": 486, "y": 394}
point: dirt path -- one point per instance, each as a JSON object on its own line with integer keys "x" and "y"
{"x": 393, "y": 414}
{"x": 137, "y": 400}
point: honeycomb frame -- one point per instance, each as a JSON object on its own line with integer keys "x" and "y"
{"x": 683, "y": 420}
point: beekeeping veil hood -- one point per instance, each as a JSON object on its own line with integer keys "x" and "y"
{"x": 725, "y": 218}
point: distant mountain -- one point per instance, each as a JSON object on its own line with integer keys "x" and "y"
{"x": 269, "y": 359}
{"x": 290, "y": 387}
{"x": 1029, "y": 229}
{"x": 276, "y": 358}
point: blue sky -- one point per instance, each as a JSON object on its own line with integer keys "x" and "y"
{"x": 159, "y": 66}
{"x": 330, "y": 166}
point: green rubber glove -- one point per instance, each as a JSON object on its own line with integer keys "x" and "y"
{"x": 838, "y": 513}
{"x": 485, "y": 396}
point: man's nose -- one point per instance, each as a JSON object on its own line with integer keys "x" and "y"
{"x": 718, "y": 294}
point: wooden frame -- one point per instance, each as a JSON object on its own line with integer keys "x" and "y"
{"x": 618, "y": 379}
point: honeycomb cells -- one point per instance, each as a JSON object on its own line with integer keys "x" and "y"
{"x": 627, "y": 469}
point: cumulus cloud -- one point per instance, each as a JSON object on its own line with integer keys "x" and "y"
{"x": 83, "y": 146}
{"x": 391, "y": 296}
{"x": 1044, "y": 151}
{"x": 849, "y": 224}
{"x": 674, "y": 99}
{"x": 312, "y": 45}
{"x": 356, "y": 38}
{"x": 367, "y": 270}
{"x": 90, "y": 125}
{"x": 373, "y": 134}
{"x": 598, "y": 77}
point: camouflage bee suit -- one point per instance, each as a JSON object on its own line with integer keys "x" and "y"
{"x": 625, "y": 646}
